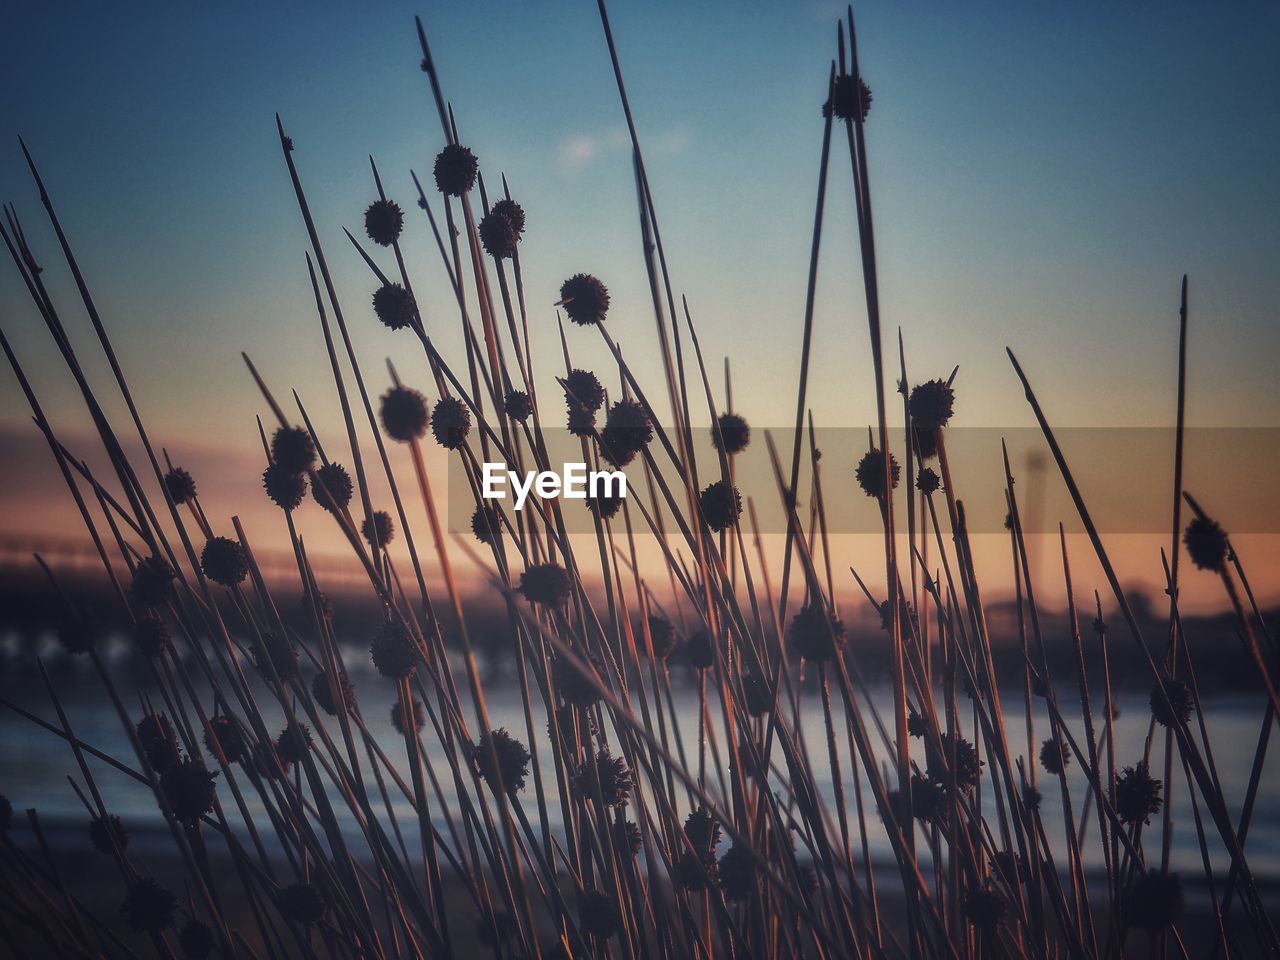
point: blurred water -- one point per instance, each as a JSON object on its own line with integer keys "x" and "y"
{"x": 35, "y": 765}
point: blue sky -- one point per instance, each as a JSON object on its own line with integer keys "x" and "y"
{"x": 1042, "y": 177}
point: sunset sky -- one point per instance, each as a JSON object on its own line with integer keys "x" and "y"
{"x": 1042, "y": 178}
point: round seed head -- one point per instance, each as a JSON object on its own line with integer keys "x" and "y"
{"x": 394, "y": 651}
{"x": 108, "y": 834}
{"x": 1137, "y": 795}
{"x": 850, "y": 98}
{"x": 627, "y": 431}
{"x": 547, "y": 584}
{"x": 1207, "y": 544}
{"x": 968, "y": 765}
{"x": 870, "y": 473}
{"x": 721, "y": 505}
{"x": 583, "y": 389}
{"x": 293, "y": 449}
{"x": 275, "y": 652}
{"x": 148, "y": 907}
{"x": 397, "y": 716}
{"x": 1031, "y": 798}
{"x": 486, "y": 525}
{"x": 284, "y": 488}
{"x": 180, "y": 485}
{"x": 816, "y": 634}
{"x": 756, "y": 695}
{"x": 383, "y": 222}
{"x": 196, "y": 940}
{"x": 518, "y": 406}
{"x": 917, "y": 725}
{"x": 927, "y": 799}
{"x": 926, "y": 443}
{"x": 450, "y": 423}
{"x": 581, "y": 421}
{"x": 984, "y": 908}
{"x": 380, "y": 532}
{"x": 455, "y": 170}
{"x": 394, "y": 306}
{"x": 931, "y": 405}
{"x": 294, "y": 742}
{"x": 155, "y": 736}
{"x": 627, "y": 839}
{"x": 152, "y": 578}
{"x": 150, "y": 635}
{"x": 188, "y": 787}
{"x": 733, "y": 435}
{"x": 223, "y": 561}
{"x": 597, "y": 914}
{"x": 663, "y": 636}
{"x": 605, "y": 506}
{"x": 576, "y": 687}
{"x": 501, "y": 228}
{"x": 332, "y": 487}
{"x": 699, "y": 652}
{"x": 512, "y": 761}
{"x": 223, "y": 735}
{"x": 301, "y": 903}
{"x": 1054, "y": 757}
{"x": 404, "y": 414}
{"x": 1180, "y": 700}
{"x": 1156, "y": 900}
{"x": 614, "y": 775}
{"x": 322, "y": 692}
{"x": 737, "y": 874}
{"x": 585, "y": 299}
{"x": 927, "y": 481}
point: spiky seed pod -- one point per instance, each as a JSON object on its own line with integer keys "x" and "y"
{"x": 397, "y": 716}
{"x": 450, "y": 423}
{"x": 627, "y": 839}
{"x": 383, "y": 222}
{"x": 583, "y": 389}
{"x": 696, "y": 873}
{"x": 585, "y": 299}
{"x": 223, "y": 736}
{"x": 694, "y": 870}
{"x": 223, "y": 561}
{"x": 108, "y": 834}
{"x": 733, "y": 434}
{"x": 1207, "y": 544}
{"x": 663, "y": 637}
{"x": 156, "y": 737}
{"x": 455, "y": 170}
{"x": 908, "y": 621}
{"x": 702, "y": 829}
{"x": 573, "y": 724}
{"x": 381, "y": 531}
{"x": 394, "y": 651}
{"x": 597, "y": 914}
{"x": 614, "y": 776}
{"x": 152, "y": 578}
{"x": 580, "y": 422}
{"x": 699, "y": 652}
{"x": 189, "y": 788}
{"x": 486, "y": 524}
{"x": 604, "y": 506}
{"x": 870, "y": 473}
{"x": 285, "y": 489}
{"x": 517, "y": 405}
{"x": 577, "y": 687}
{"x": 850, "y": 98}
{"x": 926, "y": 443}
{"x": 322, "y": 692}
{"x": 927, "y": 799}
{"x": 816, "y": 634}
{"x": 78, "y": 629}
{"x": 404, "y": 414}
{"x": 294, "y": 742}
{"x": 1011, "y": 867}
{"x": 196, "y": 940}
{"x": 721, "y": 505}
{"x": 927, "y": 481}
{"x": 1180, "y": 699}
{"x": 273, "y": 651}
{"x": 627, "y": 431}
{"x": 293, "y": 449}
{"x": 148, "y": 907}
{"x": 917, "y": 725}
{"x": 180, "y": 485}
{"x": 150, "y": 635}
{"x": 301, "y": 903}
{"x": 512, "y": 761}
{"x": 984, "y": 908}
{"x": 756, "y": 695}
{"x": 501, "y": 228}
{"x": 1032, "y": 798}
{"x": 1137, "y": 794}
{"x": 547, "y": 584}
{"x": 1054, "y": 757}
{"x": 737, "y": 871}
{"x": 332, "y": 487}
{"x": 394, "y": 306}
{"x": 1155, "y": 901}
{"x": 931, "y": 405}
{"x": 968, "y": 765}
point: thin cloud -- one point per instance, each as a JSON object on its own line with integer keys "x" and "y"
{"x": 580, "y": 150}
